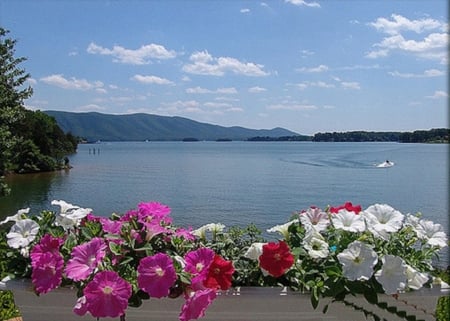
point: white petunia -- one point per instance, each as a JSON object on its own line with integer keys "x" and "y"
{"x": 315, "y": 244}
{"x": 382, "y": 219}
{"x": 348, "y": 221}
{"x": 22, "y": 233}
{"x": 392, "y": 275}
{"x": 432, "y": 233}
{"x": 416, "y": 279}
{"x": 282, "y": 229}
{"x": 316, "y": 217}
{"x": 70, "y": 215}
{"x": 254, "y": 251}
{"x": 211, "y": 227}
{"x": 358, "y": 261}
{"x": 20, "y": 215}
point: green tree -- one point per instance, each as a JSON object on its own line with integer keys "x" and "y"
{"x": 12, "y": 96}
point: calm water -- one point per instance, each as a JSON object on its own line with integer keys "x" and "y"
{"x": 242, "y": 182}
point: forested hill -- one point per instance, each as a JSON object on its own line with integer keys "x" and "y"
{"x": 94, "y": 126}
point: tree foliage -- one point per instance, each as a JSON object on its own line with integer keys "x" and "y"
{"x": 30, "y": 141}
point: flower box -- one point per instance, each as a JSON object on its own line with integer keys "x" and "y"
{"x": 238, "y": 304}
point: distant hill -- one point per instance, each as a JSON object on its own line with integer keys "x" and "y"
{"x": 94, "y": 126}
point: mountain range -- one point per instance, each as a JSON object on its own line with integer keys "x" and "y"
{"x": 93, "y": 126}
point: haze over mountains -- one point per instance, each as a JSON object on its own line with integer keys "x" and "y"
{"x": 94, "y": 126}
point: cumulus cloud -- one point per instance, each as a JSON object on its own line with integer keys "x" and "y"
{"x": 291, "y": 106}
{"x": 245, "y": 10}
{"x": 303, "y": 3}
{"x": 202, "y": 63}
{"x": 438, "y": 94}
{"x": 431, "y": 41}
{"x": 350, "y": 85}
{"x": 320, "y": 84}
{"x": 71, "y": 83}
{"x": 144, "y": 55}
{"x": 200, "y": 90}
{"x": 320, "y": 68}
{"x": 256, "y": 89}
{"x": 90, "y": 107}
{"x": 151, "y": 80}
{"x": 426, "y": 74}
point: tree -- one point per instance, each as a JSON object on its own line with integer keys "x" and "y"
{"x": 12, "y": 96}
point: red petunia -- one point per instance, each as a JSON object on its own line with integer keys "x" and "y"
{"x": 347, "y": 206}
{"x": 276, "y": 258}
{"x": 219, "y": 274}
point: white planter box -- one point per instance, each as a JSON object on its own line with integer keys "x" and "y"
{"x": 244, "y": 304}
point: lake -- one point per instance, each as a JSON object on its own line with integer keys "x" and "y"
{"x": 236, "y": 183}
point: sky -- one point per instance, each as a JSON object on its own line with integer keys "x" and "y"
{"x": 305, "y": 65}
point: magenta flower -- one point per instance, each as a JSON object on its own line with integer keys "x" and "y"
{"x": 47, "y": 272}
{"x": 154, "y": 211}
{"x": 198, "y": 263}
{"x": 107, "y": 295}
{"x": 196, "y": 305}
{"x": 156, "y": 275}
{"x": 185, "y": 233}
{"x": 47, "y": 244}
{"x": 111, "y": 226}
{"x": 153, "y": 229}
{"x": 85, "y": 258}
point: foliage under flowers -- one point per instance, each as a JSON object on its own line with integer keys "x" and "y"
{"x": 140, "y": 255}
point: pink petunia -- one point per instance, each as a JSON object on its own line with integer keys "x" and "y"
{"x": 85, "y": 258}
{"x": 154, "y": 211}
{"x": 111, "y": 226}
{"x": 156, "y": 275}
{"x": 47, "y": 272}
{"x": 107, "y": 295}
{"x": 47, "y": 244}
{"x": 198, "y": 263}
{"x": 196, "y": 305}
{"x": 185, "y": 233}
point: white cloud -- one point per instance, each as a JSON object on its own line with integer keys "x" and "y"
{"x": 31, "y": 81}
{"x": 303, "y": 3}
{"x": 320, "y": 84}
{"x": 72, "y": 83}
{"x": 245, "y": 10}
{"x": 91, "y": 107}
{"x": 399, "y": 23}
{"x": 438, "y": 94}
{"x": 200, "y": 90}
{"x": 426, "y": 74}
{"x": 350, "y": 85}
{"x": 143, "y": 55}
{"x": 320, "y": 68}
{"x": 152, "y": 80}
{"x": 430, "y": 45}
{"x": 205, "y": 64}
{"x": 256, "y": 89}
{"x": 291, "y": 106}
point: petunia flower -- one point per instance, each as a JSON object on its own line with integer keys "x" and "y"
{"x": 254, "y": 251}
{"x": 282, "y": 229}
{"x": 315, "y": 244}
{"x": 70, "y": 215}
{"x": 80, "y": 307}
{"x": 196, "y": 304}
{"x": 347, "y": 206}
{"x": 211, "y": 227}
{"x": 358, "y": 261}
{"x": 153, "y": 212}
{"x": 198, "y": 263}
{"x": 47, "y": 272}
{"x": 22, "y": 233}
{"x": 392, "y": 275}
{"x": 316, "y": 217}
{"x": 48, "y": 244}
{"x": 348, "y": 221}
{"x": 85, "y": 259}
{"x": 156, "y": 274}
{"x": 416, "y": 279}
{"x": 185, "y": 233}
{"x": 432, "y": 233}
{"x": 382, "y": 219}
{"x": 16, "y": 217}
{"x": 276, "y": 258}
{"x": 219, "y": 274}
{"x": 111, "y": 226}
{"x": 107, "y": 295}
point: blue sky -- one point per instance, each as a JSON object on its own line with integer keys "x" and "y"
{"x": 307, "y": 66}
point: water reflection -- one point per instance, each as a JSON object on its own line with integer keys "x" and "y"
{"x": 30, "y": 190}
